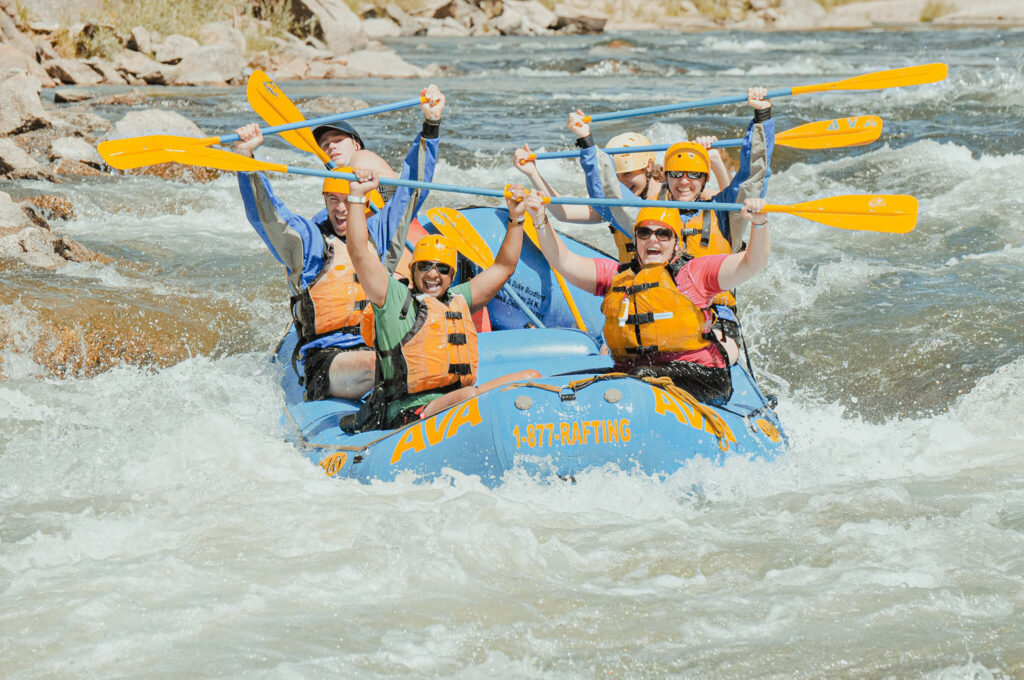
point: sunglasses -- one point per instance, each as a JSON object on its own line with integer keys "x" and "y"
{"x": 679, "y": 174}
{"x": 643, "y": 233}
{"x": 424, "y": 266}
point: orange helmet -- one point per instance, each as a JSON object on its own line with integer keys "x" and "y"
{"x": 340, "y": 185}
{"x": 660, "y": 217}
{"x": 628, "y": 162}
{"x": 683, "y": 156}
{"x": 435, "y": 249}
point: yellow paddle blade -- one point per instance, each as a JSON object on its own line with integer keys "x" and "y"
{"x": 274, "y": 107}
{"x": 880, "y": 80}
{"x": 832, "y": 134}
{"x": 138, "y": 152}
{"x": 895, "y": 214}
{"x": 531, "y": 232}
{"x": 453, "y": 225}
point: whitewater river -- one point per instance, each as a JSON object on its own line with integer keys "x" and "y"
{"x": 154, "y": 521}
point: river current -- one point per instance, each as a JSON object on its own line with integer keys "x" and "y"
{"x": 155, "y": 522}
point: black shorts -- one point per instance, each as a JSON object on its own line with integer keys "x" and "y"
{"x": 707, "y": 383}
{"x": 317, "y": 370}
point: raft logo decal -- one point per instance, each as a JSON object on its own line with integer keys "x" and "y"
{"x": 539, "y": 435}
{"x": 436, "y": 429}
{"x": 333, "y": 463}
{"x": 769, "y": 430}
{"x": 665, "y": 404}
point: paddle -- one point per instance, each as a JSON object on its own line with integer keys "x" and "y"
{"x": 531, "y": 232}
{"x": 454, "y": 226}
{"x": 867, "y": 212}
{"x": 823, "y": 134}
{"x": 128, "y": 153}
{"x": 274, "y": 107}
{"x": 879, "y": 80}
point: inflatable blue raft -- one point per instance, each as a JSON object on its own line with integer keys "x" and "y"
{"x": 578, "y": 416}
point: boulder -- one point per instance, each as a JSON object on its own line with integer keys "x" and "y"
{"x": 16, "y": 164}
{"x": 75, "y": 149}
{"x": 71, "y": 96}
{"x": 795, "y": 15}
{"x": 73, "y": 168}
{"x": 573, "y": 19}
{"x": 381, "y": 28}
{"x": 142, "y": 40}
{"x": 174, "y": 48}
{"x": 12, "y": 216}
{"x": 132, "y": 63}
{"x": 222, "y": 33}
{"x": 12, "y": 33}
{"x": 22, "y": 109}
{"x": 53, "y": 207}
{"x": 110, "y": 75}
{"x": 524, "y": 18}
{"x": 154, "y": 122}
{"x": 377, "y": 64}
{"x": 43, "y": 249}
{"x": 287, "y": 67}
{"x": 209, "y": 65}
{"x": 447, "y": 27}
{"x": 338, "y": 25}
{"x": 73, "y": 72}
{"x": 13, "y": 59}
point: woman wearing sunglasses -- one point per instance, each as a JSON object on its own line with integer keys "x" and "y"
{"x": 423, "y": 335}
{"x": 657, "y": 321}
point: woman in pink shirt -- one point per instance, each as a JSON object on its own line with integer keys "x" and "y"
{"x": 657, "y": 317}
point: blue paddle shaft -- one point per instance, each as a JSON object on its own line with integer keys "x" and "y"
{"x": 327, "y": 120}
{"x": 613, "y": 150}
{"x": 734, "y": 99}
{"x": 498, "y": 193}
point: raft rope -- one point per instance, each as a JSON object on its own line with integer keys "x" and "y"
{"x": 714, "y": 421}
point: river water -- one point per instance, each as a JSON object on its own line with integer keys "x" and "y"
{"x": 155, "y": 523}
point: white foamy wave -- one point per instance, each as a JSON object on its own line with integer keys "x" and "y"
{"x": 796, "y": 66}
{"x": 722, "y": 43}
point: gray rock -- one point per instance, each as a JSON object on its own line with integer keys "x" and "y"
{"x": 573, "y": 19}
{"x": 373, "y": 63}
{"x": 73, "y": 72}
{"x": 210, "y": 65}
{"x": 16, "y": 164}
{"x": 341, "y": 28}
{"x": 134, "y": 63}
{"x": 381, "y": 28}
{"x": 142, "y": 40}
{"x": 175, "y": 48}
{"x": 110, "y": 75}
{"x": 154, "y": 122}
{"x": 11, "y": 213}
{"x": 13, "y": 59}
{"x": 447, "y": 27}
{"x": 222, "y": 33}
{"x": 75, "y": 149}
{"x": 72, "y": 96}
{"x": 22, "y": 109}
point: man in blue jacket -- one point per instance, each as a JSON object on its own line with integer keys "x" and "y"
{"x": 327, "y": 302}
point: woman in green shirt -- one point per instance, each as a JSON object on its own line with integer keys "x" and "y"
{"x": 424, "y": 336}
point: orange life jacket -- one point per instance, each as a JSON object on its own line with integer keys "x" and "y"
{"x": 702, "y": 236}
{"x": 438, "y": 353}
{"x": 334, "y": 300}
{"x": 646, "y": 314}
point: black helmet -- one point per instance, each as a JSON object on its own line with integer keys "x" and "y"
{"x": 343, "y": 127}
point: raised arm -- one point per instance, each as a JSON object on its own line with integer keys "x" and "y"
{"x": 740, "y": 267}
{"x": 567, "y": 213}
{"x": 485, "y": 285}
{"x": 373, "y": 276}
{"x": 579, "y": 270}
{"x": 722, "y": 175}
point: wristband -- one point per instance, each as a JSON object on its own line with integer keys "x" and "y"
{"x": 759, "y": 226}
{"x": 585, "y": 142}
{"x": 355, "y": 199}
{"x": 542, "y": 225}
{"x": 520, "y": 221}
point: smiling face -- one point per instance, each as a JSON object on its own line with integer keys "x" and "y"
{"x": 684, "y": 188}
{"x": 636, "y": 180}
{"x": 650, "y": 246}
{"x": 338, "y": 146}
{"x": 337, "y": 212}
{"x": 431, "y": 282}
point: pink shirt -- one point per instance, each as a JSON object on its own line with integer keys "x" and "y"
{"x": 697, "y": 280}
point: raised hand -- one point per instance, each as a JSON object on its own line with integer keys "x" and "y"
{"x": 434, "y": 105}
{"x": 757, "y": 97}
{"x": 577, "y": 125}
{"x": 249, "y": 137}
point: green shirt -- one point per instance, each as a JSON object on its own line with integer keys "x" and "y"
{"x": 391, "y": 328}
